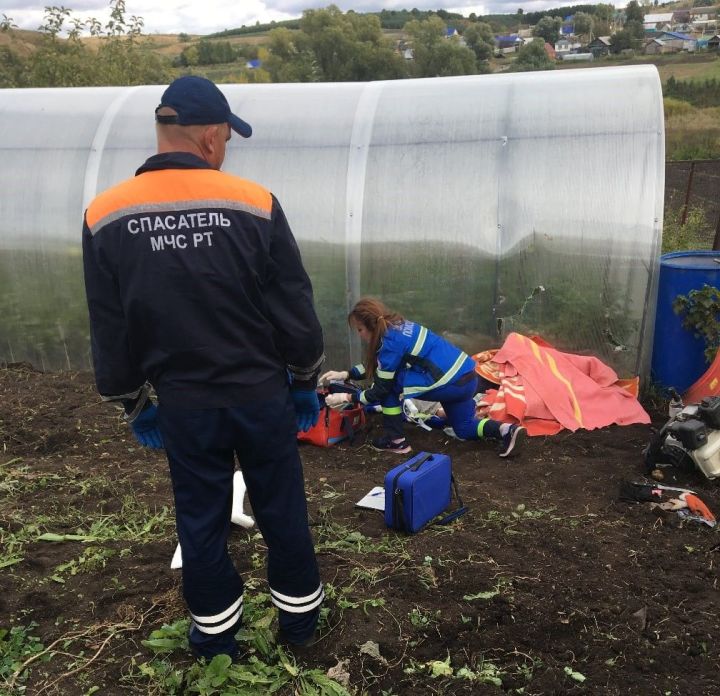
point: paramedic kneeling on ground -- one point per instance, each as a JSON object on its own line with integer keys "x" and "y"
{"x": 195, "y": 285}
{"x": 406, "y": 360}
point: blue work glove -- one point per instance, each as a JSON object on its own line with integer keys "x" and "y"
{"x": 307, "y": 408}
{"x": 145, "y": 428}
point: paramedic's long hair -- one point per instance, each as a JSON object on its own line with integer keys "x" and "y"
{"x": 375, "y": 317}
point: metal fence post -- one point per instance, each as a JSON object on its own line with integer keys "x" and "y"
{"x": 687, "y": 194}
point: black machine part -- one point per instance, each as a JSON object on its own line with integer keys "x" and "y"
{"x": 666, "y": 447}
{"x": 691, "y": 433}
{"x": 709, "y": 412}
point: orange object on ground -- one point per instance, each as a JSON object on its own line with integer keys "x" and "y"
{"x": 333, "y": 426}
{"x": 707, "y": 385}
{"x": 547, "y": 390}
{"x": 697, "y": 507}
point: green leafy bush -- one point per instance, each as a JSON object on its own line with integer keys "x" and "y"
{"x": 700, "y": 310}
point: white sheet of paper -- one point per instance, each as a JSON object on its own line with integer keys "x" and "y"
{"x": 374, "y": 500}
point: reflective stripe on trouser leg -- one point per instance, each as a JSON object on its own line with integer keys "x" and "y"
{"x": 490, "y": 428}
{"x": 393, "y": 419}
{"x": 272, "y": 470}
{"x": 201, "y": 462}
{"x": 298, "y": 605}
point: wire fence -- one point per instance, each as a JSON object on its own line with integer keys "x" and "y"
{"x": 695, "y": 184}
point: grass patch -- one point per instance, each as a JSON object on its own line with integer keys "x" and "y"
{"x": 696, "y": 233}
{"x": 17, "y": 478}
{"x": 692, "y": 71}
{"x": 691, "y": 133}
{"x": 333, "y": 536}
{"x": 135, "y": 522}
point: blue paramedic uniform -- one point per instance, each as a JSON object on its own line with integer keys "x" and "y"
{"x": 414, "y": 362}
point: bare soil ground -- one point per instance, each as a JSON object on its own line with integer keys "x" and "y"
{"x": 549, "y": 585}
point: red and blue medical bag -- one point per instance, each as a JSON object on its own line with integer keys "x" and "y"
{"x": 333, "y": 426}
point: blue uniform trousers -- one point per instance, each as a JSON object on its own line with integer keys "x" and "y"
{"x": 201, "y": 446}
{"x": 459, "y": 406}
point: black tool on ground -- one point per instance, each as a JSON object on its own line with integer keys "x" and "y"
{"x": 642, "y": 492}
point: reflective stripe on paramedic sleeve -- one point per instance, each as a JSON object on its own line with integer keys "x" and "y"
{"x": 419, "y": 341}
{"x": 377, "y": 391}
{"x": 357, "y": 371}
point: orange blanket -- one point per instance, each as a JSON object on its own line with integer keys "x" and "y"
{"x": 547, "y": 390}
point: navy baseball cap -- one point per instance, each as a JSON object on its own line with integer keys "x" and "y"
{"x": 198, "y": 102}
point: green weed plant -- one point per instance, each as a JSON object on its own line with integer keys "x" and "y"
{"x": 700, "y": 310}
{"x": 17, "y": 645}
{"x": 265, "y": 667}
{"x": 695, "y": 233}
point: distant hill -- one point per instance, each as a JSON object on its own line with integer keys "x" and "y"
{"x": 20, "y": 41}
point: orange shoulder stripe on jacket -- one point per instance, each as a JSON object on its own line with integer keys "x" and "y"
{"x": 177, "y": 189}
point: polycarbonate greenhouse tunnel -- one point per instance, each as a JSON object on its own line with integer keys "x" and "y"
{"x": 481, "y": 205}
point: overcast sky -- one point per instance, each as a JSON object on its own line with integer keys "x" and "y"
{"x": 207, "y": 16}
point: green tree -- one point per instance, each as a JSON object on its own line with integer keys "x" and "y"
{"x": 331, "y": 46}
{"x": 480, "y": 40}
{"x": 68, "y": 62}
{"x": 635, "y": 29}
{"x": 12, "y": 69}
{"x": 583, "y": 23}
{"x": 633, "y": 12}
{"x": 622, "y": 41}
{"x": 58, "y": 62}
{"x": 7, "y": 24}
{"x": 120, "y": 60}
{"x": 601, "y": 27}
{"x": 350, "y": 46}
{"x": 604, "y": 12}
{"x": 190, "y": 56}
{"x": 433, "y": 54}
{"x": 290, "y": 57}
{"x": 548, "y": 28}
{"x": 532, "y": 56}
{"x": 214, "y": 52}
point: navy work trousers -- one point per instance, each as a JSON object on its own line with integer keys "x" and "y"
{"x": 459, "y": 406}
{"x": 201, "y": 446}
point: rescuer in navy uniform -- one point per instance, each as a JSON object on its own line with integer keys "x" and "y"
{"x": 196, "y": 287}
{"x": 406, "y": 360}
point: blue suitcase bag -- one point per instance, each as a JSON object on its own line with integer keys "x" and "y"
{"x": 418, "y": 490}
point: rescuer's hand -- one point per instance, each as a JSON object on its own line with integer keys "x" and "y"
{"x": 307, "y": 408}
{"x": 333, "y": 376}
{"x": 145, "y": 427}
{"x": 338, "y": 401}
